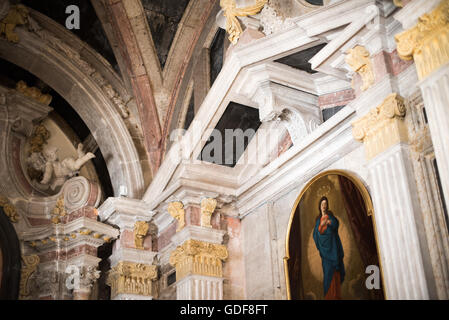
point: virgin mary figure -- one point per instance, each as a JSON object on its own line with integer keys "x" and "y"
{"x": 328, "y": 243}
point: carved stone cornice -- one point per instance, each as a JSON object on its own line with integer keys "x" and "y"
{"x": 9, "y": 209}
{"x": 29, "y": 266}
{"x": 231, "y": 12}
{"x": 208, "y": 206}
{"x": 382, "y": 127}
{"x": 132, "y": 278}
{"x": 427, "y": 42}
{"x": 176, "y": 210}
{"x": 359, "y": 60}
{"x": 199, "y": 258}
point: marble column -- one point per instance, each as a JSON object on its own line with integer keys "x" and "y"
{"x": 133, "y": 274}
{"x": 427, "y": 43}
{"x": 396, "y": 209}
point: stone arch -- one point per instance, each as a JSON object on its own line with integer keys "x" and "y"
{"x": 87, "y": 98}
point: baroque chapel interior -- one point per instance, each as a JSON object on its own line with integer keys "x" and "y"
{"x": 224, "y": 150}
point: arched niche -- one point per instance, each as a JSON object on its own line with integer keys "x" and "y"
{"x": 351, "y": 204}
{"x": 9, "y": 259}
{"x": 87, "y": 98}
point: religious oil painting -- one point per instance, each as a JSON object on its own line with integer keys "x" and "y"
{"x": 332, "y": 241}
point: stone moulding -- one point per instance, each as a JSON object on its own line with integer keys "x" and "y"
{"x": 427, "y": 42}
{"x": 198, "y": 258}
{"x": 132, "y": 278}
{"x": 382, "y": 127}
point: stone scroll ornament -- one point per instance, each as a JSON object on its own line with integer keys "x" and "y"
{"x": 231, "y": 12}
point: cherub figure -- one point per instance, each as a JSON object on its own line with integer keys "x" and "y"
{"x": 57, "y": 172}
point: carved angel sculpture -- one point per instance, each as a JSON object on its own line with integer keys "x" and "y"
{"x": 57, "y": 172}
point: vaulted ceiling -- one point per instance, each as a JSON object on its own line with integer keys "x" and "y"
{"x": 149, "y": 43}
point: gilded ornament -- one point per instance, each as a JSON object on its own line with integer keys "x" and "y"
{"x": 231, "y": 12}
{"x": 140, "y": 232}
{"x": 29, "y": 266}
{"x": 176, "y": 210}
{"x": 383, "y": 126}
{"x": 33, "y": 93}
{"x": 207, "y": 209}
{"x": 427, "y": 42}
{"x": 59, "y": 210}
{"x": 9, "y": 209}
{"x": 359, "y": 60}
{"x": 198, "y": 257}
{"x": 132, "y": 278}
{"x": 17, "y": 15}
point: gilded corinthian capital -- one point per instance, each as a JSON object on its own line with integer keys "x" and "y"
{"x": 132, "y": 278}
{"x": 198, "y": 257}
{"x": 427, "y": 42}
{"x": 382, "y": 127}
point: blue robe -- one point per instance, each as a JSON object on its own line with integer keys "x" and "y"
{"x": 331, "y": 251}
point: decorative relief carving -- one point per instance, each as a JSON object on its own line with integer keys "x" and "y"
{"x": 176, "y": 210}
{"x": 273, "y": 22}
{"x": 140, "y": 231}
{"x": 33, "y": 93}
{"x": 9, "y": 209}
{"x": 382, "y": 127}
{"x": 36, "y": 161}
{"x": 231, "y": 12}
{"x": 359, "y": 60}
{"x": 17, "y": 15}
{"x": 55, "y": 172}
{"x": 132, "y": 278}
{"x": 200, "y": 258}
{"x": 428, "y": 42}
{"x": 29, "y": 265}
{"x": 207, "y": 209}
{"x": 88, "y": 276}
